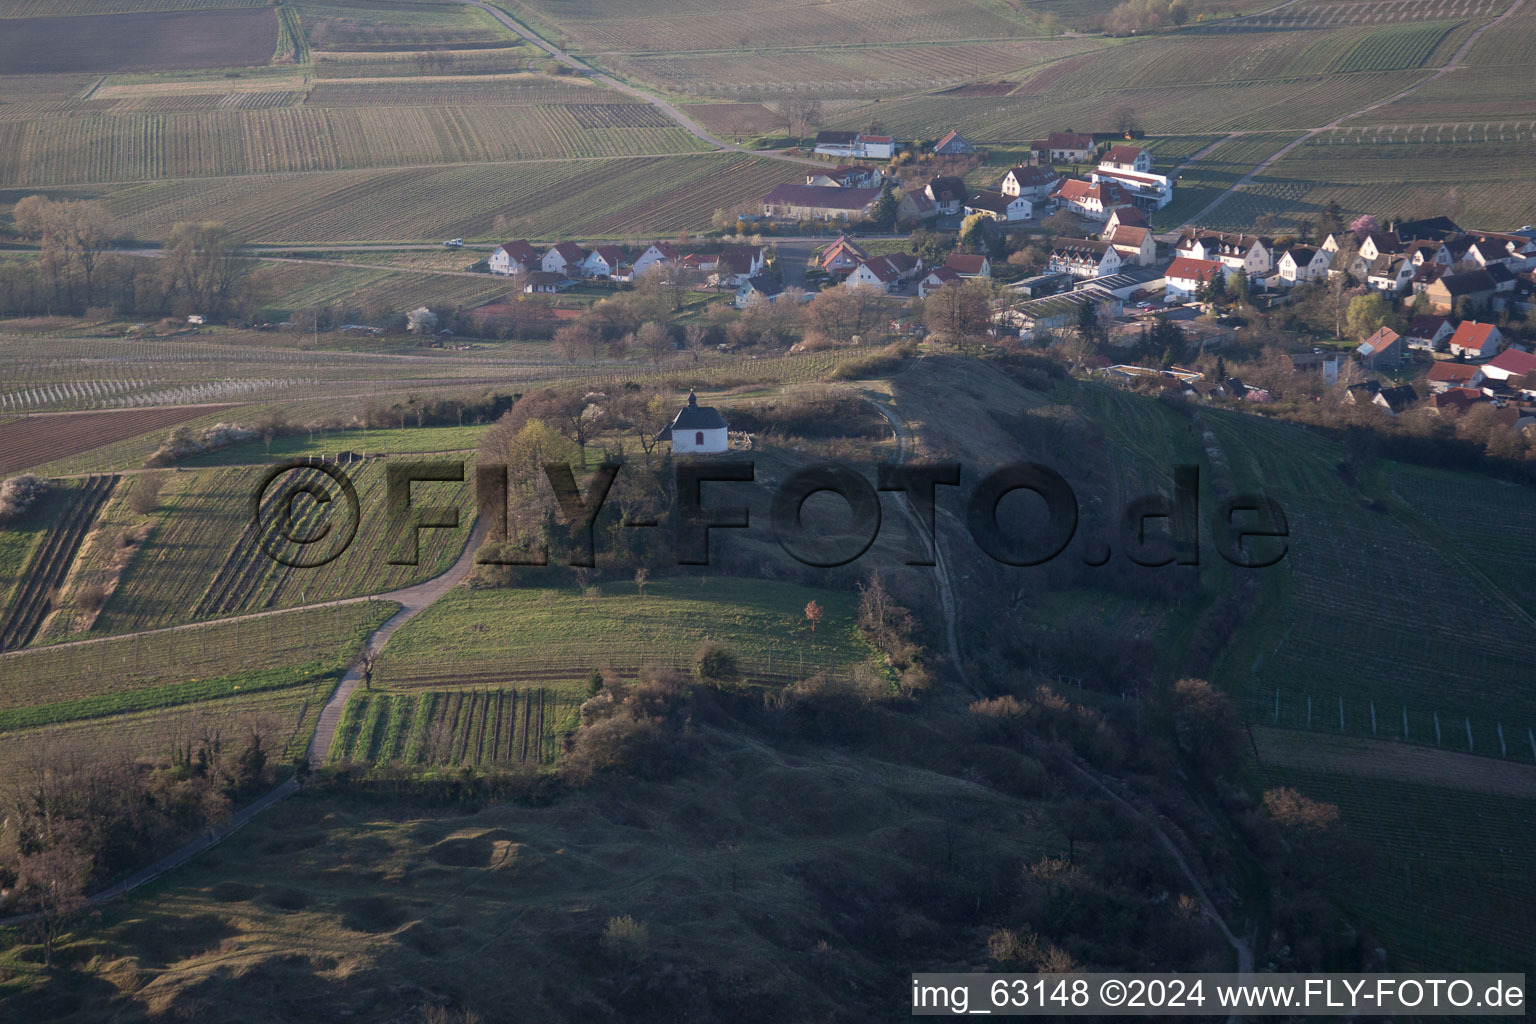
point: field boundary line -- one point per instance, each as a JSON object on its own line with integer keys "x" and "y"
{"x": 1451, "y": 65}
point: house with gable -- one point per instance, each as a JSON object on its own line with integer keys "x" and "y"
{"x": 886, "y": 273}
{"x": 514, "y": 258}
{"x": 657, "y": 254}
{"x": 1384, "y": 350}
{"x": 603, "y": 261}
{"x": 1031, "y": 181}
{"x": 1473, "y": 340}
{"x": 1390, "y": 273}
{"x": 818, "y": 202}
{"x": 938, "y": 277}
{"x": 1429, "y": 332}
{"x": 842, "y": 256}
{"x": 564, "y": 258}
{"x": 998, "y": 206}
{"x": 1082, "y": 257}
{"x": 1512, "y": 362}
{"x": 969, "y": 264}
{"x": 1135, "y": 245}
{"x": 1301, "y": 263}
{"x": 1094, "y": 200}
{"x": 1068, "y": 147}
{"x": 953, "y": 144}
{"x": 1475, "y": 286}
{"x": 1121, "y": 157}
{"x": 948, "y": 194}
{"x": 1185, "y": 276}
{"x": 1252, "y": 254}
{"x": 735, "y": 264}
{"x": 767, "y": 288}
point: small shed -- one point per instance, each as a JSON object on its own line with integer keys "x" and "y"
{"x": 696, "y": 430}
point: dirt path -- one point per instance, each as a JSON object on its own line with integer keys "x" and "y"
{"x": 1247, "y": 179}
{"x": 1392, "y": 759}
{"x": 413, "y": 601}
{"x": 669, "y": 109}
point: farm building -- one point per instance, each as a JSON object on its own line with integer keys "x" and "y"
{"x": 1056, "y": 311}
{"x": 953, "y": 144}
{"x": 514, "y": 258}
{"x": 696, "y": 430}
{"x": 813, "y": 202}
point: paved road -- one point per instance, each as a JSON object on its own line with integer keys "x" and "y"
{"x": 1247, "y": 179}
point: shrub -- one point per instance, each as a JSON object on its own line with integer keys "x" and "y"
{"x": 20, "y": 493}
{"x": 144, "y": 497}
{"x": 876, "y": 364}
{"x": 90, "y": 598}
{"x": 626, "y": 938}
{"x": 184, "y": 442}
{"x": 715, "y": 663}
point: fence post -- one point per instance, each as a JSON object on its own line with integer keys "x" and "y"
{"x": 1503, "y": 750}
{"x": 1405, "y": 721}
{"x": 1437, "y": 728}
{"x": 1373, "y": 718}
{"x": 1468, "y": 720}
{"x": 1277, "y": 705}
{"x": 1309, "y": 711}
{"x": 1341, "y": 712}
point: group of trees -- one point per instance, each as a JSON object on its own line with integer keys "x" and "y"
{"x": 81, "y": 269}
{"x": 72, "y": 818}
{"x": 1138, "y": 17}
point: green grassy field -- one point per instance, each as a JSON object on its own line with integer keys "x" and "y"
{"x": 486, "y": 631}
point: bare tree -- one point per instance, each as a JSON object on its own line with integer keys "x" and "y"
{"x": 53, "y": 880}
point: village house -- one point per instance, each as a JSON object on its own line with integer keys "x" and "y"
{"x": 953, "y": 144}
{"x": 1512, "y": 362}
{"x": 696, "y": 430}
{"x": 847, "y": 176}
{"x": 1429, "y": 332}
{"x": 842, "y": 256}
{"x": 1377, "y": 243}
{"x": 1033, "y": 182}
{"x": 1082, "y": 257}
{"x": 736, "y": 263}
{"x": 1252, "y": 254}
{"x": 1148, "y": 191}
{"x": 656, "y": 254}
{"x": 1135, "y": 159}
{"x": 915, "y": 205}
{"x": 1420, "y": 253}
{"x": 1301, "y": 263}
{"x": 948, "y": 194}
{"x": 1384, "y": 350}
{"x": 886, "y": 273}
{"x": 855, "y": 144}
{"x": 1473, "y": 340}
{"x": 545, "y": 281}
{"x": 1391, "y": 274}
{"x": 813, "y": 202}
{"x": 1093, "y": 200}
{"x": 938, "y": 277}
{"x": 969, "y": 264}
{"x": 1396, "y": 400}
{"x": 514, "y": 258}
{"x": 1126, "y": 216}
{"x": 1474, "y": 286}
{"x": 1185, "y": 275}
{"x": 1434, "y": 228}
{"x": 1068, "y": 147}
{"x": 767, "y": 288}
{"x": 603, "y": 261}
{"x": 998, "y": 206}
{"x": 564, "y": 258}
{"x": 1135, "y": 245}
{"x": 1446, "y": 375}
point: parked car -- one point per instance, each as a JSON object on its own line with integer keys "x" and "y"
{"x": 454, "y": 243}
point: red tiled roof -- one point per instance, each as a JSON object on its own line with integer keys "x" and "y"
{"x": 1122, "y": 154}
{"x": 1472, "y": 335}
{"x": 965, "y": 263}
{"x": 1187, "y": 269}
{"x": 571, "y": 252}
{"x": 520, "y": 251}
{"x": 1452, "y": 373}
{"x": 1514, "y": 362}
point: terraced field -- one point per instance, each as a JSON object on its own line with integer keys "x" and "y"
{"x": 485, "y": 727}
{"x": 202, "y": 560}
{"x": 63, "y": 150}
{"x": 565, "y": 199}
{"x": 34, "y": 598}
